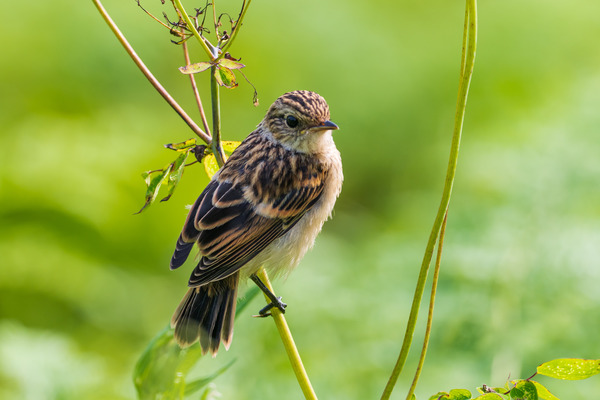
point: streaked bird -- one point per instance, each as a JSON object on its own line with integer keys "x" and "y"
{"x": 264, "y": 207}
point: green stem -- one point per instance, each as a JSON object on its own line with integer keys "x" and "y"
{"x": 216, "y": 147}
{"x": 238, "y": 25}
{"x": 288, "y": 343}
{"x": 138, "y": 61}
{"x": 190, "y": 25}
{"x": 467, "y": 62}
{"x": 436, "y": 275}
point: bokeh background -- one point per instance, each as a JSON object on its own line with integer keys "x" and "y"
{"x": 85, "y": 284}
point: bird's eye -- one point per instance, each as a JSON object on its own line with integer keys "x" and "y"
{"x": 291, "y": 121}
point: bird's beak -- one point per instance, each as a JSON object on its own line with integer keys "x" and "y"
{"x": 325, "y": 126}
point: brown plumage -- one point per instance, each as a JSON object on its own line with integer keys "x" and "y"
{"x": 265, "y": 207}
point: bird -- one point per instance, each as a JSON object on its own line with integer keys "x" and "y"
{"x": 263, "y": 208}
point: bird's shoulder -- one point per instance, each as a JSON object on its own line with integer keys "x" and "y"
{"x": 265, "y": 170}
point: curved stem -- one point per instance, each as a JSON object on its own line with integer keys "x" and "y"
{"x": 138, "y": 61}
{"x": 288, "y": 343}
{"x": 436, "y": 275}
{"x": 190, "y": 25}
{"x": 467, "y": 62}
{"x": 216, "y": 146}
{"x": 238, "y": 25}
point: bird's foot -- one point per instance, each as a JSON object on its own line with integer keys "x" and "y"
{"x": 280, "y": 305}
{"x": 275, "y": 301}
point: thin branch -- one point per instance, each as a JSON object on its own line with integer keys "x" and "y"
{"x": 236, "y": 28}
{"x": 288, "y": 343}
{"x": 190, "y": 25}
{"x": 216, "y": 147}
{"x": 436, "y": 275}
{"x": 138, "y": 61}
{"x": 467, "y": 62}
{"x": 195, "y": 88}
{"x": 152, "y": 16}
{"x": 215, "y": 24}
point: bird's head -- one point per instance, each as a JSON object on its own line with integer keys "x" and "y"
{"x": 299, "y": 120}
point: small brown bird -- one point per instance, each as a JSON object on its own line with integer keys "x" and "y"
{"x": 264, "y": 207}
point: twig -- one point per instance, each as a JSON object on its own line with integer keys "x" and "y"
{"x": 138, "y": 61}
{"x": 195, "y": 88}
{"x": 288, "y": 343}
{"x": 215, "y": 24}
{"x": 237, "y": 26}
{"x": 467, "y": 62}
{"x": 190, "y": 25}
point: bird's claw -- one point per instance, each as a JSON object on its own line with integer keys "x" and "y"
{"x": 277, "y": 303}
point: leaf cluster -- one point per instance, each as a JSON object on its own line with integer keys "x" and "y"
{"x": 171, "y": 174}
{"x": 528, "y": 389}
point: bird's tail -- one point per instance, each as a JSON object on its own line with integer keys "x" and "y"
{"x": 206, "y": 314}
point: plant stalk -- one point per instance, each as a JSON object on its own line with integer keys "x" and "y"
{"x": 288, "y": 343}
{"x": 434, "y": 283}
{"x": 216, "y": 146}
{"x": 159, "y": 88}
{"x": 467, "y": 62}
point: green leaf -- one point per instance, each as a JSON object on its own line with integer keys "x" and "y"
{"x": 440, "y": 395}
{"x": 195, "y": 68}
{"x": 459, "y": 394}
{"x": 490, "y": 396}
{"x": 524, "y": 390}
{"x": 210, "y": 165}
{"x": 230, "y": 145}
{"x": 225, "y": 77}
{"x": 182, "y": 145}
{"x": 230, "y": 64}
{"x": 154, "y": 184}
{"x": 543, "y": 393}
{"x": 176, "y": 173}
{"x": 486, "y": 389}
{"x": 156, "y": 371}
{"x": 210, "y": 393}
{"x": 161, "y": 371}
{"x": 569, "y": 368}
{"x": 198, "y": 384}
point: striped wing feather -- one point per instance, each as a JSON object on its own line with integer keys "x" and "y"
{"x": 230, "y": 233}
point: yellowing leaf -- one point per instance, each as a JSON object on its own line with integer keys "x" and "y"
{"x": 230, "y": 64}
{"x": 489, "y": 396}
{"x": 230, "y": 145}
{"x": 440, "y": 396}
{"x": 195, "y": 68}
{"x": 459, "y": 394}
{"x": 210, "y": 165}
{"x": 182, "y": 145}
{"x": 569, "y": 368}
{"x": 543, "y": 393}
{"x": 225, "y": 77}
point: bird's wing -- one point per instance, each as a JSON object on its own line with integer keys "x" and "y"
{"x": 230, "y": 230}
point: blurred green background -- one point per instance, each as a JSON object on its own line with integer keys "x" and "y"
{"x": 85, "y": 284}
